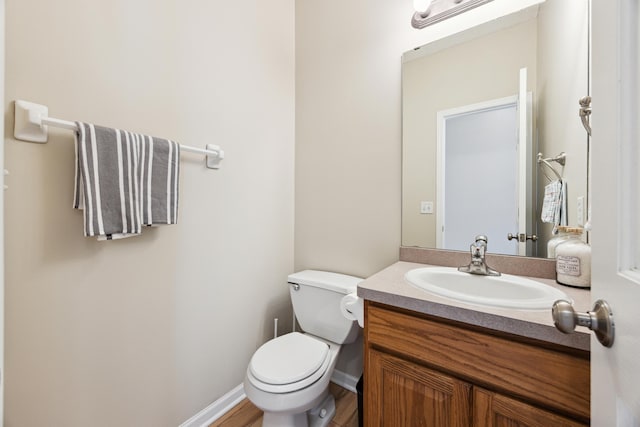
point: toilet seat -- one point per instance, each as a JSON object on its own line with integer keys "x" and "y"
{"x": 289, "y": 363}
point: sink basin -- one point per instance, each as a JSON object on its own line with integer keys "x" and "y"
{"x": 504, "y": 291}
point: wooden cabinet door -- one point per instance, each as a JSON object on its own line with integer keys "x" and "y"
{"x": 495, "y": 410}
{"x": 400, "y": 393}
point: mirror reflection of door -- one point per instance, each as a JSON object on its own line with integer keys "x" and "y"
{"x": 478, "y": 175}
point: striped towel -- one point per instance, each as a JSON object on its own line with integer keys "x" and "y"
{"x": 552, "y": 204}
{"x": 124, "y": 181}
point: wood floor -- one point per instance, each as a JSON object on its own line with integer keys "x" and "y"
{"x": 247, "y": 415}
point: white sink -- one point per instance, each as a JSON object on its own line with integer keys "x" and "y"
{"x": 505, "y": 291}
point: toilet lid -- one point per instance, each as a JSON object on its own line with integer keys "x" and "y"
{"x": 288, "y": 359}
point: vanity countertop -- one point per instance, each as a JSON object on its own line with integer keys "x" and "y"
{"x": 390, "y": 287}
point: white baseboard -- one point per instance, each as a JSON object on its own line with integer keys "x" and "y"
{"x": 217, "y": 409}
{"x": 345, "y": 380}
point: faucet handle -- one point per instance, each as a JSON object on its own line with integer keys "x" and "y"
{"x": 482, "y": 238}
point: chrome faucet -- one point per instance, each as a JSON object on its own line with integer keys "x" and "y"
{"x": 478, "y": 264}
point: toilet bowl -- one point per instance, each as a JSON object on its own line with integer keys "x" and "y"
{"x": 284, "y": 395}
{"x": 288, "y": 377}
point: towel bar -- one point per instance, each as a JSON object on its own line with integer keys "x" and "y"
{"x": 32, "y": 121}
{"x": 560, "y": 159}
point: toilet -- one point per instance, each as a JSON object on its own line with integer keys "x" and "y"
{"x": 288, "y": 376}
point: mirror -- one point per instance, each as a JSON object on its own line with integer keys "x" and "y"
{"x": 550, "y": 41}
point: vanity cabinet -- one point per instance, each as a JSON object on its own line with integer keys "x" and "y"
{"x": 421, "y": 370}
{"x": 497, "y": 410}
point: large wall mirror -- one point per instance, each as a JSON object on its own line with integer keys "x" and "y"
{"x": 481, "y": 70}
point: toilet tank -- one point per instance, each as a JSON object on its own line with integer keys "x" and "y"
{"x": 316, "y": 297}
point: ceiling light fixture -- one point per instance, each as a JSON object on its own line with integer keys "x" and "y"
{"x": 429, "y": 12}
{"x": 422, "y": 7}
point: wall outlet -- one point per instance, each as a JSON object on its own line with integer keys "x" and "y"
{"x": 426, "y": 207}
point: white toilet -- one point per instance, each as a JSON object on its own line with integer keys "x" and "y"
{"x": 288, "y": 377}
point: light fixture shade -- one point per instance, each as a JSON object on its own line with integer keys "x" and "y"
{"x": 421, "y": 5}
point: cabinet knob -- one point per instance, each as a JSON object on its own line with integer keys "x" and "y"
{"x": 599, "y": 320}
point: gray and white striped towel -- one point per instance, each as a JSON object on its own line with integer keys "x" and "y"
{"x": 124, "y": 181}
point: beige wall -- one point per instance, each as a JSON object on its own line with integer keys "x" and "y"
{"x": 348, "y": 133}
{"x": 479, "y": 70}
{"x": 149, "y": 330}
{"x": 347, "y": 152}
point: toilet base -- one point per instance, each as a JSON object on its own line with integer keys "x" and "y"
{"x": 320, "y": 416}
{"x": 274, "y": 419}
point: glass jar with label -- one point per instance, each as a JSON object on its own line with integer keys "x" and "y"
{"x": 556, "y": 240}
{"x": 573, "y": 260}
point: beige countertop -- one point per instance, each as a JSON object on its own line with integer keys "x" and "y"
{"x": 390, "y": 287}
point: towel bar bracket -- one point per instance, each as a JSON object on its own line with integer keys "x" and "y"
{"x": 28, "y": 122}
{"x": 213, "y": 161}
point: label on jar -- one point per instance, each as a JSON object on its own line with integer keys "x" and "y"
{"x": 569, "y": 265}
